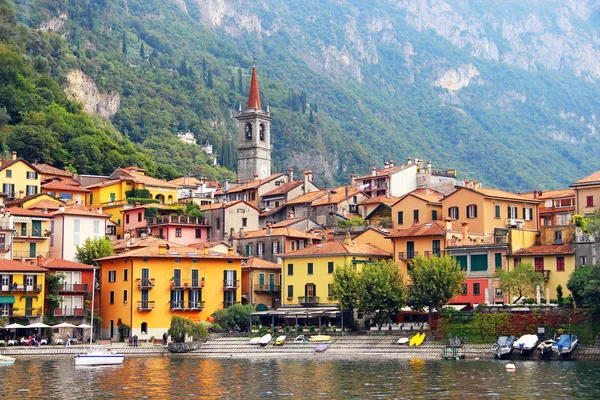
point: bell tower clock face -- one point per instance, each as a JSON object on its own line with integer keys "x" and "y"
{"x": 263, "y": 172}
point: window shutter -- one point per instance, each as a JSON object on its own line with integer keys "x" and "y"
{"x": 509, "y": 211}
{"x": 234, "y": 276}
{"x": 400, "y": 217}
{"x": 475, "y": 211}
{"x": 305, "y": 290}
{"x": 315, "y": 290}
{"x": 457, "y": 213}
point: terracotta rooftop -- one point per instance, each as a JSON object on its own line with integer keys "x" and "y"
{"x": 171, "y": 252}
{"x": 259, "y": 263}
{"x": 271, "y": 211}
{"x": 432, "y": 228}
{"x": 104, "y": 183}
{"x": 283, "y": 189}
{"x": 385, "y": 171}
{"x": 550, "y": 194}
{"x": 50, "y": 170}
{"x": 27, "y": 198}
{"x": 201, "y": 246}
{"x": 337, "y": 195}
{"x": 15, "y": 266}
{"x": 588, "y": 180}
{"x": 53, "y": 263}
{"x": 191, "y": 181}
{"x": 286, "y": 231}
{"x": 545, "y": 250}
{"x": 288, "y": 222}
{"x": 428, "y": 195}
{"x": 7, "y": 163}
{"x": 23, "y": 212}
{"x": 47, "y": 204}
{"x": 254, "y": 184}
{"x": 121, "y": 244}
{"x": 496, "y": 193}
{"x": 382, "y": 231}
{"x": 135, "y": 174}
{"x": 218, "y": 206}
{"x": 381, "y": 199}
{"x": 57, "y": 185}
{"x": 339, "y": 248}
{"x": 76, "y": 209}
{"x": 307, "y": 197}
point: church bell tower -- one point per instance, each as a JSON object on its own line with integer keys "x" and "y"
{"x": 254, "y": 136}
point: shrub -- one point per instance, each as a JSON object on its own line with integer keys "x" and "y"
{"x": 123, "y": 332}
{"x": 215, "y": 328}
{"x": 138, "y": 193}
{"x": 142, "y": 201}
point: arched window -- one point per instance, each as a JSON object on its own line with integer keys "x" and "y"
{"x": 261, "y": 132}
{"x": 248, "y": 131}
{"x": 144, "y": 328}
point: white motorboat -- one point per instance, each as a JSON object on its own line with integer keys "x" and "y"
{"x": 254, "y": 340}
{"x": 280, "y": 340}
{"x": 5, "y": 360}
{"x": 526, "y": 343}
{"x": 403, "y": 340}
{"x": 99, "y": 356}
{"x": 565, "y": 344}
{"x": 503, "y": 346}
{"x": 265, "y": 339}
{"x": 545, "y": 347}
{"x": 300, "y": 339}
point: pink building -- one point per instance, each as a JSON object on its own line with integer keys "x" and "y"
{"x": 179, "y": 229}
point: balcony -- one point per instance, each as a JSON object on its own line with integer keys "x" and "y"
{"x": 308, "y": 300}
{"x": 30, "y": 254}
{"x": 27, "y": 312}
{"x": 432, "y": 253}
{"x": 74, "y": 287}
{"x": 267, "y": 288}
{"x": 187, "y": 283}
{"x": 21, "y": 288}
{"x": 407, "y": 256}
{"x": 230, "y": 284}
{"x": 35, "y": 234}
{"x": 69, "y": 312}
{"x": 545, "y": 273}
{"x": 229, "y": 303}
{"x": 187, "y": 305}
{"x": 175, "y": 220}
{"x": 145, "y": 305}
{"x": 5, "y": 247}
{"x": 145, "y": 283}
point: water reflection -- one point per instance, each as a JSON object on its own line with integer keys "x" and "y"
{"x": 314, "y": 377}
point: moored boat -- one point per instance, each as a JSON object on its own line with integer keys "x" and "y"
{"x": 321, "y": 348}
{"x": 280, "y": 340}
{"x": 300, "y": 339}
{"x": 265, "y": 339}
{"x": 504, "y": 345}
{"x": 545, "y": 347}
{"x": 5, "y": 360}
{"x": 526, "y": 343}
{"x": 565, "y": 344}
{"x": 320, "y": 338}
{"x": 98, "y": 356}
{"x": 403, "y": 340}
{"x": 254, "y": 340}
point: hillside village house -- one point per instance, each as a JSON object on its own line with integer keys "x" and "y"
{"x": 393, "y": 180}
{"x": 252, "y": 190}
{"x": 587, "y": 194}
{"x": 225, "y": 219}
{"x": 66, "y": 190}
{"x": 284, "y": 192}
{"x": 71, "y": 226}
{"x": 272, "y": 243}
{"x": 6, "y": 233}
{"x": 32, "y": 233}
{"x": 145, "y": 287}
{"x": 261, "y": 283}
{"x": 300, "y": 206}
{"x": 421, "y": 205}
{"x": 384, "y": 202}
{"x": 18, "y": 177}
{"x": 200, "y": 191}
{"x": 22, "y": 289}
{"x": 339, "y": 204}
{"x": 299, "y": 223}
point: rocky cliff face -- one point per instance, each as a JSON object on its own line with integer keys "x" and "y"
{"x": 82, "y": 88}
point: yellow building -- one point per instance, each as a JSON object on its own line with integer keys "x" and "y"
{"x": 418, "y": 206}
{"x": 261, "y": 283}
{"x": 18, "y": 178}
{"x": 311, "y": 268}
{"x": 32, "y": 233}
{"x": 36, "y": 202}
{"x": 378, "y": 237}
{"x": 145, "y": 287}
{"x": 21, "y": 289}
{"x": 587, "y": 194}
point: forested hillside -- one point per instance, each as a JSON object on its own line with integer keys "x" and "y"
{"x": 349, "y": 84}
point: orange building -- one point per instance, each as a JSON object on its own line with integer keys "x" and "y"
{"x": 143, "y": 288}
{"x": 261, "y": 283}
{"x": 587, "y": 194}
{"x": 418, "y": 206}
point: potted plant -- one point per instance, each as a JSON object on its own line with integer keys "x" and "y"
{"x": 151, "y": 340}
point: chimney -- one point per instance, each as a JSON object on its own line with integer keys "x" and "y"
{"x": 226, "y": 186}
{"x": 448, "y": 222}
{"x": 347, "y": 190}
{"x": 348, "y": 239}
{"x": 14, "y": 155}
{"x": 61, "y": 208}
{"x": 475, "y": 185}
{"x": 241, "y": 233}
{"x": 205, "y": 250}
{"x": 39, "y": 261}
{"x": 186, "y": 180}
{"x": 373, "y": 171}
{"x": 100, "y": 210}
{"x": 255, "y": 177}
{"x": 391, "y": 163}
{"x": 410, "y": 161}
{"x": 230, "y": 251}
{"x": 467, "y": 183}
{"x": 269, "y": 229}
{"x": 429, "y": 166}
{"x": 290, "y": 215}
{"x": 329, "y": 196}
{"x": 291, "y": 174}
{"x": 162, "y": 249}
{"x": 386, "y": 164}
{"x": 465, "y": 230}
{"x": 307, "y": 177}
{"x": 310, "y": 241}
{"x": 231, "y": 234}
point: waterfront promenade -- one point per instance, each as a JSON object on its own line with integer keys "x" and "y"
{"x": 351, "y": 346}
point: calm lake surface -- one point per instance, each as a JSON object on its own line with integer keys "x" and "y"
{"x": 300, "y": 378}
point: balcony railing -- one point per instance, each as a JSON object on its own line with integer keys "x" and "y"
{"x": 146, "y": 305}
{"x": 501, "y": 239}
{"x": 74, "y": 287}
{"x": 175, "y": 219}
{"x": 145, "y": 283}
{"x": 230, "y": 284}
{"x": 30, "y": 254}
{"x": 69, "y": 312}
{"x": 308, "y": 300}
{"x": 32, "y": 234}
{"x": 26, "y": 312}
{"x": 267, "y": 288}
{"x": 229, "y": 303}
{"x": 4, "y": 247}
{"x": 186, "y": 305}
{"x": 21, "y": 288}
{"x": 187, "y": 283}
{"x": 545, "y": 273}
{"x": 407, "y": 255}
{"x": 432, "y": 253}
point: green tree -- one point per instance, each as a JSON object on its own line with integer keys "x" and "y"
{"x": 237, "y": 314}
{"x": 52, "y": 299}
{"x": 344, "y": 288}
{"x": 240, "y": 82}
{"x": 142, "y": 52}
{"x": 522, "y": 280}
{"x": 124, "y": 43}
{"x": 36, "y": 143}
{"x": 232, "y": 83}
{"x": 209, "y": 80}
{"x": 583, "y": 284}
{"x": 559, "y": 295}
{"x": 381, "y": 289}
{"x": 182, "y": 327}
{"x": 4, "y": 117}
{"x": 592, "y": 223}
{"x": 93, "y": 249}
{"x": 193, "y": 210}
{"x": 433, "y": 282}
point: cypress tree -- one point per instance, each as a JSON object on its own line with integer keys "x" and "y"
{"x": 209, "y": 80}
{"x": 204, "y": 69}
{"x": 142, "y": 52}
{"x": 316, "y": 109}
{"x": 232, "y": 83}
{"x": 240, "y": 83}
{"x": 124, "y": 47}
{"x": 310, "y": 116}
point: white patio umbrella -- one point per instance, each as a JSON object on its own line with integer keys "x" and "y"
{"x": 64, "y": 325}
{"x": 84, "y": 326}
{"x": 14, "y": 326}
{"x": 37, "y": 325}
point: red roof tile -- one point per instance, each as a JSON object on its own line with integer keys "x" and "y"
{"x": 14, "y": 266}
{"x": 57, "y": 263}
{"x": 545, "y": 250}
{"x": 259, "y": 263}
{"x": 254, "y": 184}
{"x": 288, "y": 222}
{"x": 432, "y": 228}
{"x": 337, "y": 195}
{"x": 23, "y": 212}
{"x": 550, "y": 194}
{"x": 50, "y": 170}
{"x": 381, "y": 199}
{"x": 172, "y": 252}
{"x": 56, "y": 185}
{"x": 76, "y": 209}
{"x": 307, "y": 197}
{"x": 590, "y": 179}
{"x": 283, "y": 189}
{"x": 385, "y": 172}
{"x": 335, "y": 248}
{"x": 286, "y": 231}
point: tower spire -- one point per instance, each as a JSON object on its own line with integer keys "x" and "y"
{"x": 254, "y": 95}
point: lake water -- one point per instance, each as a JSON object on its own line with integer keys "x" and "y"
{"x": 317, "y": 377}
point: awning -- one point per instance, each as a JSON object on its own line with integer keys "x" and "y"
{"x": 28, "y": 219}
{"x": 457, "y": 307}
{"x": 300, "y": 312}
{"x": 7, "y": 299}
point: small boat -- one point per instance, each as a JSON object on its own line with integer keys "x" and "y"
{"x": 265, "y": 339}
{"x": 280, "y": 340}
{"x": 254, "y": 340}
{"x": 98, "y": 356}
{"x": 526, "y": 343}
{"x": 545, "y": 348}
{"x": 320, "y": 338}
{"x": 5, "y": 360}
{"x": 413, "y": 339}
{"x": 403, "y": 340}
{"x": 503, "y": 346}
{"x": 565, "y": 344}
{"x": 300, "y": 339}
{"x": 321, "y": 348}
{"x": 420, "y": 339}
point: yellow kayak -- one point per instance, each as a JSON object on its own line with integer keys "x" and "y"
{"x": 320, "y": 338}
{"x": 420, "y": 339}
{"x": 413, "y": 340}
